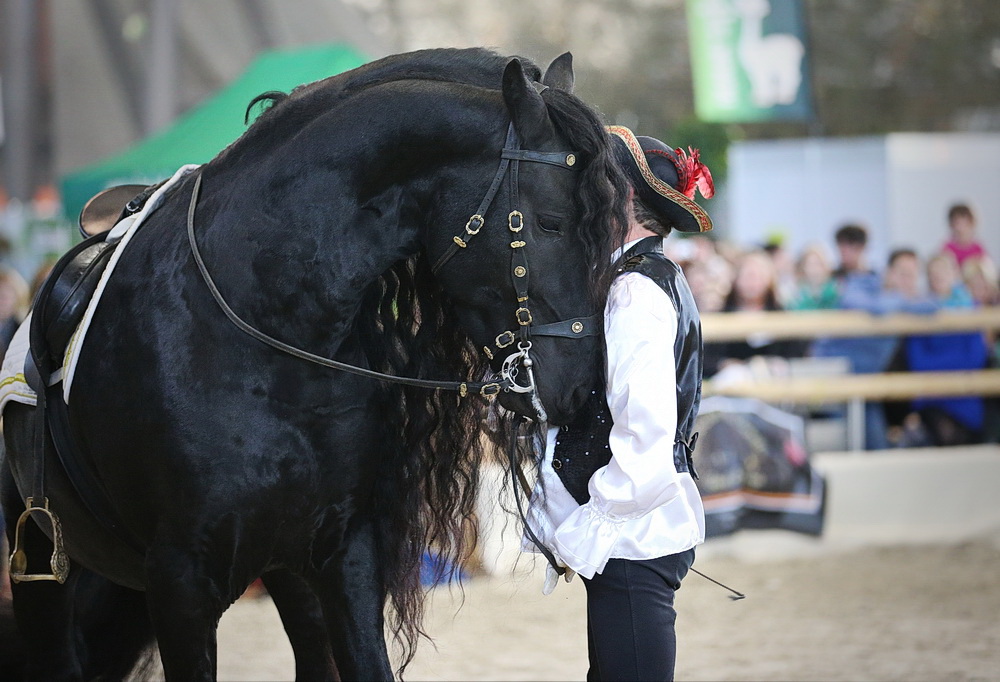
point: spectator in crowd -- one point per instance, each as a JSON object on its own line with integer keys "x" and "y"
{"x": 900, "y": 292}
{"x": 730, "y": 251}
{"x": 980, "y": 277}
{"x": 754, "y": 289}
{"x": 816, "y": 289}
{"x": 755, "y": 286}
{"x": 711, "y": 280}
{"x": 963, "y": 243}
{"x": 783, "y": 267}
{"x": 14, "y": 304}
{"x": 945, "y": 282}
{"x": 852, "y": 240}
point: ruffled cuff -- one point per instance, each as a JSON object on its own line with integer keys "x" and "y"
{"x": 586, "y": 539}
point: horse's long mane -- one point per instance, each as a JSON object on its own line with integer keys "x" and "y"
{"x": 429, "y": 471}
{"x": 286, "y": 114}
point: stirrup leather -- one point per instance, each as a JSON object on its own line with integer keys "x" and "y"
{"x": 59, "y": 563}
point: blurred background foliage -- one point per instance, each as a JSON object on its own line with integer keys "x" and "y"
{"x": 877, "y": 66}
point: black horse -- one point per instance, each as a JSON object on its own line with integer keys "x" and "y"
{"x": 332, "y": 224}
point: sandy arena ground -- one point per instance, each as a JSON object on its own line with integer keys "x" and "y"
{"x": 814, "y": 613}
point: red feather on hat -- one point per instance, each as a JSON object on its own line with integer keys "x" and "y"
{"x": 692, "y": 173}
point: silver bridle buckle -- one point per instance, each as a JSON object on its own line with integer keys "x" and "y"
{"x": 510, "y": 371}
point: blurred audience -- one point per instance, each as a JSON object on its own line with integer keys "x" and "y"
{"x": 980, "y": 276}
{"x": 941, "y": 421}
{"x": 900, "y": 292}
{"x": 725, "y": 279}
{"x": 755, "y": 286}
{"x": 709, "y": 275}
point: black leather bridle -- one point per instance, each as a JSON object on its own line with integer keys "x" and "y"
{"x": 578, "y": 327}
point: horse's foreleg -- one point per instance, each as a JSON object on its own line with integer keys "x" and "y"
{"x": 352, "y": 596}
{"x": 44, "y": 615}
{"x": 185, "y": 607}
{"x": 43, "y": 610}
{"x": 302, "y": 616}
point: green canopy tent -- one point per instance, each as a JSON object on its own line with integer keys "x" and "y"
{"x": 205, "y": 130}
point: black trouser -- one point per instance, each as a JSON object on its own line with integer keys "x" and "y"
{"x": 630, "y": 618}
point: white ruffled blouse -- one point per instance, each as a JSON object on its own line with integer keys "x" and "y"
{"x": 640, "y": 507}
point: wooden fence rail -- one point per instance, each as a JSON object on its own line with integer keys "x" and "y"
{"x": 844, "y": 387}
{"x": 811, "y": 324}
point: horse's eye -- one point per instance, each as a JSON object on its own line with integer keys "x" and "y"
{"x": 550, "y": 223}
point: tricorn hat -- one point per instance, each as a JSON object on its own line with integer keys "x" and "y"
{"x": 665, "y": 179}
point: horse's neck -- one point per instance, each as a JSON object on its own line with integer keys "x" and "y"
{"x": 303, "y": 266}
{"x": 333, "y": 209}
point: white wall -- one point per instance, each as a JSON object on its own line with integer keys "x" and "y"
{"x": 899, "y": 186}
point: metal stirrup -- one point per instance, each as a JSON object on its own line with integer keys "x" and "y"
{"x": 59, "y": 562}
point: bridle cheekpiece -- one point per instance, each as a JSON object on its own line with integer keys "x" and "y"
{"x": 579, "y": 327}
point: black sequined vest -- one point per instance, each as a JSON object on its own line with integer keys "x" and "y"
{"x": 582, "y": 446}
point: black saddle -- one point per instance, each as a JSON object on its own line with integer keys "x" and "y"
{"x": 62, "y": 300}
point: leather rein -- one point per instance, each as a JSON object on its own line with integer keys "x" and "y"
{"x": 507, "y": 379}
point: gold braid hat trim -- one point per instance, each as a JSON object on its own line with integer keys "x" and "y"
{"x": 662, "y": 188}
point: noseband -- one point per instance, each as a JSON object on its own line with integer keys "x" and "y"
{"x": 577, "y": 327}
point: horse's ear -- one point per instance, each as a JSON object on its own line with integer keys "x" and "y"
{"x": 559, "y": 75}
{"x": 525, "y": 105}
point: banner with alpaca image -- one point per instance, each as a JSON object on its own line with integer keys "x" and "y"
{"x": 749, "y": 60}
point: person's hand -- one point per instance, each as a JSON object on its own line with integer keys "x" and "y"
{"x": 552, "y": 577}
